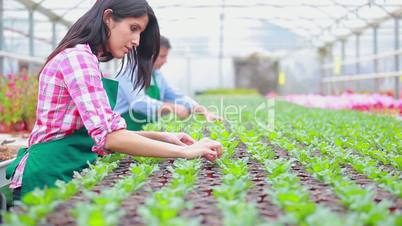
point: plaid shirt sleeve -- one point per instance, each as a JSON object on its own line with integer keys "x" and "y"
{"x": 83, "y": 81}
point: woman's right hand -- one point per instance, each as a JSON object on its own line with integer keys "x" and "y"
{"x": 177, "y": 109}
{"x": 206, "y": 148}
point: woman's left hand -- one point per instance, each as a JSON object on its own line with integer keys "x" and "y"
{"x": 182, "y": 139}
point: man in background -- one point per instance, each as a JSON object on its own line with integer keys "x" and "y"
{"x": 141, "y": 107}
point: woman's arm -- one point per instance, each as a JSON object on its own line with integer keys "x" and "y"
{"x": 131, "y": 143}
{"x": 151, "y": 135}
{"x": 173, "y": 138}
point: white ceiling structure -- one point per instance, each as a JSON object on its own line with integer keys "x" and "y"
{"x": 236, "y": 27}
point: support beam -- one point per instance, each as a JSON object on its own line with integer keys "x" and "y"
{"x": 54, "y": 35}
{"x": 31, "y": 37}
{"x": 368, "y": 58}
{"x": 358, "y": 57}
{"x": 47, "y": 12}
{"x": 396, "y": 64}
{"x": 221, "y": 42}
{"x": 357, "y": 53}
{"x": 370, "y": 76}
{"x": 22, "y": 57}
{"x": 322, "y": 70}
{"x": 343, "y": 59}
{"x": 1, "y": 36}
{"x": 375, "y": 61}
{"x": 331, "y": 71}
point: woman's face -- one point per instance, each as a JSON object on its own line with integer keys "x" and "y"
{"x": 125, "y": 34}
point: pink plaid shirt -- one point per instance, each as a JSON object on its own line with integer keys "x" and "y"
{"x": 71, "y": 95}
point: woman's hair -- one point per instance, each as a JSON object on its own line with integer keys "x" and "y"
{"x": 91, "y": 29}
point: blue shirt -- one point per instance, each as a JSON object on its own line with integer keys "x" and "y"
{"x": 138, "y": 101}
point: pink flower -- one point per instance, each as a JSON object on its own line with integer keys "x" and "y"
{"x": 9, "y": 94}
{"x": 25, "y": 77}
{"x": 348, "y": 100}
{"x": 11, "y": 85}
{"x": 19, "y": 91}
{"x": 10, "y": 77}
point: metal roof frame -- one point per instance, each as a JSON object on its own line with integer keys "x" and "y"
{"x": 47, "y": 12}
{"x": 308, "y": 33}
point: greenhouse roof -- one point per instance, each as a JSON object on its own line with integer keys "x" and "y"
{"x": 245, "y": 25}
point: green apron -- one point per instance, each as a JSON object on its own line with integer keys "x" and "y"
{"x": 58, "y": 159}
{"x": 138, "y": 120}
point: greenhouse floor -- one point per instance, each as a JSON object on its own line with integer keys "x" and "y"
{"x": 205, "y": 205}
{"x": 317, "y": 167}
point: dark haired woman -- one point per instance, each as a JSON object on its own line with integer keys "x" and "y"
{"x": 74, "y": 117}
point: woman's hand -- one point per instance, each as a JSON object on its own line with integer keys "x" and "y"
{"x": 206, "y": 148}
{"x": 177, "y": 109}
{"x": 181, "y": 139}
{"x": 209, "y": 116}
{"x": 181, "y": 111}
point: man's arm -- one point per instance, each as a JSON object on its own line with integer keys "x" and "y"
{"x": 178, "y": 99}
{"x": 137, "y": 100}
{"x": 174, "y": 96}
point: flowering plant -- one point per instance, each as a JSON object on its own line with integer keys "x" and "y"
{"x": 11, "y": 99}
{"x": 18, "y": 97}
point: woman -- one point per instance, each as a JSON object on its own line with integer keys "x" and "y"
{"x": 74, "y": 117}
